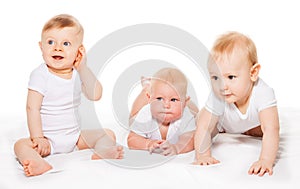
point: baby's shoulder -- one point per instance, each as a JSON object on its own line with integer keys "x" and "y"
{"x": 262, "y": 88}
{"x": 41, "y": 69}
{"x": 263, "y": 95}
{"x": 144, "y": 115}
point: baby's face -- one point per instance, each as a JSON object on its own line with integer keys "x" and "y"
{"x": 230, "y": 78}
{"x": 166, "y": 104}
{"x": 60, "y": 47}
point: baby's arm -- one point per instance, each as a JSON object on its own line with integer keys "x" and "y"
{"x": 270, "y": 142}
{"x": 185, "y": 144}
{"x": 141, "y": 100}
{"x": 164, "y": 148}
{"x": 206, "y": 129}
{"x": 192, "y": 107}
{"x": 137, "y": 142}
{"x": 91, "y": 87}
{"x": 40, "y": 143}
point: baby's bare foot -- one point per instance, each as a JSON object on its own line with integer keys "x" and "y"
{"x": 114, "y": 152}
{"x": 33, "y": 168}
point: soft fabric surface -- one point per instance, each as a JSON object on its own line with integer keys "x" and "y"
{"x": 139, "y": 169}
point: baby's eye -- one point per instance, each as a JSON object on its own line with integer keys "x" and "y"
{"x": 159, "y": 98}
{"x": 231, "y": 77}
{"x": 50, "y": 42}
{"x": 214, "y": 77}
{"x": 174, "y": 100}
{"x": 67, "y": 43}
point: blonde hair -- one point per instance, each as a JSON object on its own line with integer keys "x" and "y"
{"x": 62, "y": 21}
{"x": 172, "y": 76}
{"x": 227, "y": 43}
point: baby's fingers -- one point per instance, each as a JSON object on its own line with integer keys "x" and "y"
{"x": 206, "y": 161}
{"x": 264, "y": 170}
{"x": 45, "y": 151}
{"x": 169, "y": 152}
{"x": 34, "y": 145}
{"x": 260, "y": 170}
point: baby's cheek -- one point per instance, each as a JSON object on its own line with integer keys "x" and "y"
{"x": 178, "y": 113}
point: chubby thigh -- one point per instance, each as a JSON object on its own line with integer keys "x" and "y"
{"x": 90, "y": 138}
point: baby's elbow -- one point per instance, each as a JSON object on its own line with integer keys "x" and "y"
{"x": 98, "y": 93}
{"x": 28, "y": 108}
{"x": 32, "y": 110}
{"x": 129, "y": 141}
{"x": 94, "y": 97}
{"x": 97, "y": 97}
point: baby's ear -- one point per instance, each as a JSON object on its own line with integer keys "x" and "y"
{"x": 187, "y": 99}
{"x": 81, "y": 48}
{"x": 148, "y": 95}
{"x": 254, "y": 72}
{"x": 145, "y": 81}
{"x": 40, "y": 45}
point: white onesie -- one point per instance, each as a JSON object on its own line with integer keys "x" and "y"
{"x": 145, "y": 125}
{"x": 231, "y": 120}
{"x": 59, "y": 110}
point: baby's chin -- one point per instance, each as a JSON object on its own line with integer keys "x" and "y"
{"x": 229, "y": 99}
{"x": 167, "y": 120}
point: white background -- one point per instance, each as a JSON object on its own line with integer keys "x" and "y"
{"x": 273, "y": 26}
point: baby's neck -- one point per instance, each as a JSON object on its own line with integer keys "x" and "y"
{"x": 63, "y": 73}
{"x": 164, "y": 130}
{"x": 243, "y": 106}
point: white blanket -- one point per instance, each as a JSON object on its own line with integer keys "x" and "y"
{"x": 139, "y": 169}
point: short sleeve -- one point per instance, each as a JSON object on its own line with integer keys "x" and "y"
{"x": 142, "y": 124}
{"x": 215, "y": 105}
{"x": 265, "y": 98}
{"x": 188, "y": 122}
{"x": 37, "y": 81}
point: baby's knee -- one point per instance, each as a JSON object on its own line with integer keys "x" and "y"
{"x": 110, "y": 133}
{"x": 21, "y": 143}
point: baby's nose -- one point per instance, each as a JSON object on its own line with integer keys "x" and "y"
{"x": 167, "y": 104}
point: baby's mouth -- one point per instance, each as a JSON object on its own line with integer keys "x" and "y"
{"x": 57, "y": 57}
{"x": 166, "y": 112}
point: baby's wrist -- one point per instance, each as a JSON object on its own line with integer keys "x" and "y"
{"x": 200, "y": 155}
{"x": 148, "y": 143}
{"x": 79, "y": 67}
{"x": 36, "y": 138}
{"x": 267, "y": 160}
{"x": 176, "y": 148}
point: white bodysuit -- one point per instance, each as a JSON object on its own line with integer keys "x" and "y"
{"x": 145, "y": 125}
{"x": 231, "y": 120}
{"x": 59, "y": 110}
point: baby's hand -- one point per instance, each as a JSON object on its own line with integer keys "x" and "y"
{"x": 168, "y": 149}
{"x": 80, "y": 59}
{"x": 41, "y": 145}
{"x": 154, "y": 145}
{"x": 206, "y": 160}
{"x": 261, "y": 167}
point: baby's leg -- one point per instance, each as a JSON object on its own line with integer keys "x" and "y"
{"x": 103, "y": 141}
{"x": 256, "y": 132}
{"x": 142, "y": 99}
{"x": 113, "y": 152}
{"x": 31, "y": 160}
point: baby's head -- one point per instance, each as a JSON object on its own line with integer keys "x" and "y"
{"x": 61, "y": 41}
{"x": 232, "y": 44}
{"x": 63, "y": 21}
{"x": 233, "y": 66}
{"x": 167, "y": 95}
